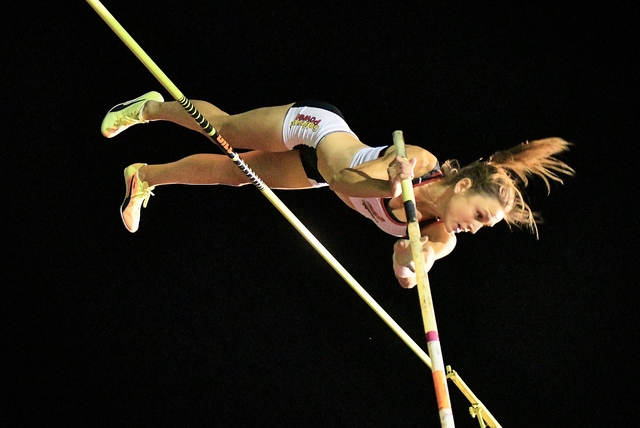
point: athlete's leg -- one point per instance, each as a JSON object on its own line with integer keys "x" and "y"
{"x": 281, "y": 170}
{"x": 172, "y": 111}
{"x": 259, "y": 129}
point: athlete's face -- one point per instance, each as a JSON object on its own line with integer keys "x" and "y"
{"x": 468, "y": 211}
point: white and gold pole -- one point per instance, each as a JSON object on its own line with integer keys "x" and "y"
{"x": 424, "y": 293}
{"x": 273, "y": 198}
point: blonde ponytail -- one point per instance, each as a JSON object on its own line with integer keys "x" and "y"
{"x": 534, "y": 158}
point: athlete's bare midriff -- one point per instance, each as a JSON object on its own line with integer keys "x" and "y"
{"x": 340, "y": 148}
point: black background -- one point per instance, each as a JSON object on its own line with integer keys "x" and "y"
{"x": 217, "y": 313}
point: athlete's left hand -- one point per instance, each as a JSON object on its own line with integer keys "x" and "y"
{"x": 403, "y": 264}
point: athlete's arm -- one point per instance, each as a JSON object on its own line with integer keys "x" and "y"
{"x": 381, "y": 178}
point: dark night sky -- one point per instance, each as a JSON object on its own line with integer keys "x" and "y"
{"x": 217, "y": 313}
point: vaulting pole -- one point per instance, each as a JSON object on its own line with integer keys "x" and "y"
{"x": 424, "y": 293}
{"x": 220, "y": 142}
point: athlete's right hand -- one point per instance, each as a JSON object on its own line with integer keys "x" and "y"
{"x": 400, "y": 169}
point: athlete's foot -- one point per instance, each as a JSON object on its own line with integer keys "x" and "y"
{"x": 127, "y": 114}
{"x": 136, "y": 197}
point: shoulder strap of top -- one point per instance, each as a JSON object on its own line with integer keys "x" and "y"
{"x": 435, "y": 173}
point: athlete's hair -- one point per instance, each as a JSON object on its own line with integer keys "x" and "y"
{"x": 507, "y": 170}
